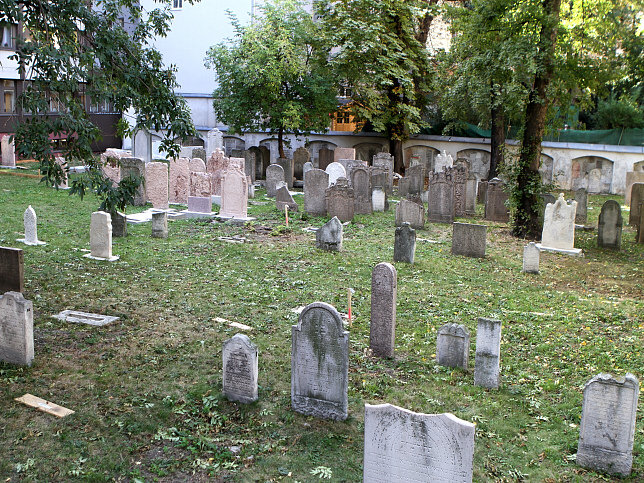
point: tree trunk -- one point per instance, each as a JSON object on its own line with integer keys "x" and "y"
{"x": 280, "y": 142}
{"x": 526, "y": 222}
{"x": 497, "y": 141}
{"x": 396, "y": 150}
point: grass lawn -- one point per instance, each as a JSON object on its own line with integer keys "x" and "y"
{"x": 147, "y": 389}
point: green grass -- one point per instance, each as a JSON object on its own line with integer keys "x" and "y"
{"x": 147, "y": 389}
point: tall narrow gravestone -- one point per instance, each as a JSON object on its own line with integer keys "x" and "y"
{"x": 316, "y": 182}
{"x": 12, "y": 271}
{"x": 234, "y": 195}
{"x": 16, "y": 329}
{"x": 240, "y": 366}
{"x": 607, "y": 426}
{"x": 453, "y": 346}
{"x": 469, "y": 240}
{"x": 361, "y": 182}
{"x": 274, "y": 174}
{"x": 441, "y": 198}
{"x": 404, "y": 446}
{"x": 31, "y": 228}
{"x": 320, "y": 363}
{"x": 405, "y": 244}
{"x": 531, "y": 256}
{"x": 156, "y": 185}
{"x": 135, "y": 167}
{"x": 495, "y": 198}
{"x": 8, "y": 151}
{"x": 637, "y": 196}
{"x": 100, "y": 237}
{"x": 488, "y": 354}
{"x": 382, "y": 334}
{"x": 581, "y": 197}
{"x": 179, "y": 181}
{"x": 609, "y": 228}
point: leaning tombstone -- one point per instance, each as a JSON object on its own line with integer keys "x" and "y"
{"x": 320, "y": 363}
{"x": 12, "y": 270}
{"x": 453, "y": 346}
{"x": 329, "y": 236}
{"x": 559, "y": 227}
{"x": 100, "y": 237}
{"x": 382, "y": 331}
{"x": 240, "y": 367}
{"x": 408, "y": 211}
{"x": 160, "y": 224}
{"x": 469, "y": 240}
{"x": 404, "y": 446}
{"x": 531, "y": 258}
{"x": 609, "y": 228}
{"x": 405, "y": 244}
{"x": 340, "y": 200}
{"x": 581, "y": 197}
{"x": 31, "y": 228}
{"x": 607, "y": 427}
{"x": 284, "y": 198}
{"x": 488, "y": 354}
{"x": 637, "y": 196}
{"x": 316, "y": 181}
{"x": 274, "y": 174}
{"x": 16, "y": 329}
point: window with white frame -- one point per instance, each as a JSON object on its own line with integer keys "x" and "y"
{"x": 8, "y": 36}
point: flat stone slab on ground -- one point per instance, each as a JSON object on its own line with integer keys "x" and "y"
{"x": 236, "y": 325}
{"x": 78, "y": 317}
{"x": 575, "y": 252}
{"x": 146, "y": 216}
{"x": 234, "y": 219}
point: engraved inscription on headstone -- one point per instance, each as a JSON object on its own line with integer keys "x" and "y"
{"x": 382, "y": 334}
{"x": 453, "y": 346}
{"x": 531, "y": 258}
{"x": 240, "y": 366}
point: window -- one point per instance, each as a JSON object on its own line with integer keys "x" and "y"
{"x": 8, "y": 98}
{"x": 177, "y": 4}
{"x": 345, "y": 92}
{"x": 343, "y": 117}
{"x": 8, "y": 36}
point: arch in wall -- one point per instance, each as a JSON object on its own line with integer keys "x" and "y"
{"x": 594, "y": 173}
{"x": 271, "y": 144}
{"x": 262, "y": 160}
{"x": 366, "y": 151}
{"x": 421, "y": 154}
{"x": 546, "y": 169}
{"x": 233, "y": 142}
{"x": 478, "y": 161}
{"x": 314, "y": 148}
{"x": 638, "y": 167}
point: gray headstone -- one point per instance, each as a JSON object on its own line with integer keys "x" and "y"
{"x": 453, "y": 346}
{"x": 607, "y": 426}
{"x": 199, "y": 153}
{"x": 119, "y": 224}
{"x": 637, "y": 196}
{"x": 609, "y": 228}
{"x": 142, "y": 145}
{"x": 495, "y": 207}
{"x": 160, "y": 224}
{"x": 200, "y": 204}
{"x": 405, "y": 244}
{"x": 287, "y": 166}
{"x": 306, "y": 167}
{"x": 581, "y": 197}
{"x": 470, "y": 196}
{"x": 240, "y": 367}
{"x": 300, "y": 157}
{"x": 283, "y": 198}
{"x": 320, "y": 363}
{"x": 135, "y": 167}
{"x": 487, "y": 372}
{"x": 531, "y": 258}
{"x": 413, "y": 183}
{"x": 16, "y": 329}
{"x": 382, "y": 333}
{"x": 481, "y": 192}
{"x": 403, "y": 446}
{"x": 385, "y": 161}
{"x": 274, "y": 174}
{"x": 340, "y": 200}
{"x": 325, "y": 157}
{"x": 12, "y": 270}
{"x": 316, "y": 181}
{"x": 329, "y": 236}
{"x": 361, "y": 183}
{"x": 410, "y": 212}
{"x": 441, "y": 197}
{"x": 250, "y": 165}
{"x": 469, "y": 240}
{"x": 640, "y": 227}
{"x": 459, "y": 175}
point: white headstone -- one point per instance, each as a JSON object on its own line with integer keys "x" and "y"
{"x": 488, "y": 354}
{"x": 443, "y": 160}
{"x": 274, "y": 174}
{"x": 335, "y": 171}
{"x": 378, "y": 199}
{"x": 214, "y": 140}
{"x": 559, "y": 224}
{"x": 142, "y": 147}
{"x": 100, "y": 236}
{"x": 31, "y": 228}
{"x": 240, "y": 367}
{"x": 531, "y": 258}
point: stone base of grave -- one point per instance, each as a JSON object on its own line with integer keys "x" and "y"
{"x": 111, "y": 259}
{"x": 604, "y": 460}
{"x": 234, "y": 220}
{"x": 575, "y": 252}
{"x": 22, "y": 240}
{"x": 185, "y": 214}
{"x": 78, "y": 317}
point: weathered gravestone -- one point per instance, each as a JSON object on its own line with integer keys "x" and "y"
{"x": 469, "y": 240}
{"x": 16, "y": 329}
{"x": 197, "y": 165}
{"x": 250, "y": 165}
{"x": 160, "y": 224}
{"x": 12, "y": 271}
{"x": 443, "y": 161}
{"x": 340, "y": 200}
{"x": 306, "y": 167}
{"x": 200, "y": 184}
{"x": 142, "y": 145}
{"x": 403, "y": 446}
{"x": 329, "y": 236}
{"x": 581, "y": 197}
{"x": 8, "y": 151}
{"x": 531, "y": 258}
{"x": 325, "y": 157}
{"x": 413, "y": 183}
{"x": 637, "y": 196}
{"x": 459, "y": 176}
{"x": 453, "y": 346}
{"x": 595, "y": 181}
{"x": 31, "y": 228}
{"x": 200, "y": 204}
{"x": 335, "y": 172}
{"x": 559, "y": 226}
{"x": 481, "y": 192}
{"x": 441, "y": 198}
{"x": 179, "y": 181}
{"x": 487, "y": 372}
{"x": 378, "y": 199}
{"x": 287, "y": 166}
{"x": 385, "y": 162}
{"x": 640, "y": 227}
{"x": 607, "y": 426}
{"x": 320, "y": 363}
{"x": 119, "y": 224}
{"x": 214, "y": 140}
{"x": 156, "y": 185}
{"x": 343, "y": 153}
{"x": 274, "y": 174}
{"x": 316, "y": 181}
{"x": 283, "y": 198}
{"x": 300, "y": 157}
{"x": 495, "y": 207}
{"x": 382, "y": 333}
{"x": 199, "y": 153}
{"x": 408, "y": 211}
{"x": 234, "y": 195}
{"x": 135, "y": 167}
{"x": 632, "y": 177}
{"x": 609, "y": 228}
{"x": 470, "y": 195}
{"x": 361, "y": 183}
{"x": 405, "y": 244}
{"x": 240, "y": 367}
{"x": 100, "y": 237}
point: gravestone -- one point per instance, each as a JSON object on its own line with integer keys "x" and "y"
{"x": 609, "y": 228}
{"x": 197, "y": 165}
{"x": 378, "y": 177}
{"x": 413, "y": 182}
{"x": 385, "y": 161}
{"x": 408, "y": 211}
{"x": 637, "y": 196}
{"x": 405, "y": 244}
{"x": 469, "y": 240}
{"x": 325, "y": 157}
{"x": 488, "y": 354}
{"x": 495, "y": 207}
{"x": 595, "y": 181}
{"x": 199, "y": 153}
{"x": 470, "y": 195}
{"x": 441, "y": 197}
{"x": 16, "y": 329}
{"x": 31, "y": 228}
{"x": 110, "y": 164}
{"x": 200, "y": 204}
{"x": 179, "y": 181}
{"x": 361, "y": 183}
{"x": 531, "y": 258}
{"x": 142, "y": 145}
{"x": 234, "y": 195}
{"x": 306, "y": 167}
{"x": 343, "y": 153}
{"x": 240, "y": 368}
{"x": 607, "y": 427}
{"x": 453, "y": 346}
{"x": 274, "y": 174}
{"x": 340, "y": 200}
{"x": 135, "y": 167}
{"x": 459, "y": 176}
{"x": 300, "y": 157}
{"x": 119, "y": 224}
{"x": 640, "y": 227}
{"x": 443, "y": 161}
{"x": 8, "y": 151}
{"x": 160, "y": 224}
{"x": 249, "y": 165}
{"x": 320, "y": 363}
{"x": 378, "y": 199}
{"x": 481, "y": 192}
{"x": 335, "y": 171}
{"x": 156, "y": 185}
{"x": 581, "y": 197}
{"x": 63, "y": 166}
{"x": 214, "y": 140}
{"x": 404, "y": 446}
{"x": 287, "y": 166}
{"x": 100, "y": 237}
{"x": 316, "y": 181}
{"x": 559, "y": 225}
{"x": 12, "y": 270}
{"x": 632, "y": 177}
{"x": 283, "y": 198}
{"x": 329, "y": 236}
{"x": 382, "y": 331}
{"x": 547, "y": 198}
{"x": 200, "y": 184}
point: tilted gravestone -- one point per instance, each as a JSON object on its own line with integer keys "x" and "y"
{"x": 481, "y": 192}
{"x": 607, "y": 426}
{"x": 441, "y": 198}
{"x": 469, "y": 240}
{"x": 531, "y": 255}
{"x": 179, "y": 181}
{"x": 274, "y": 174}
{"x": 160, "y": 224}
{"x": 156, "y": 185}
{"x": 405, "y": 244}
{"x": 495, "y": 201}
{"x": 581, "y": 197}
{"x": 316, "y": 181}
{"x": 408, "y": 211}
{"x": 16, "y": 329}
{"x": 404, "y": 446}
{"x": 240, "y": 368}
{"x": 31, "y": 228}
{"x": 12, "y": 270}
{"x": 487, "y": 372}
{"x": 609, "y": 228}
{"x": 382, "y": 333}
{"x": 283, "y": 198}
{"x": 361, "y": 183}
{"x": 637, "y": 196}
{"x": 453, "y": 346}
{"x": 559, "y": 224}
{"x": 135, "y": 167}
{"x": 340, "y": 200}
{"x": 329, "y": 236}
{"x": 320, "y": 363}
